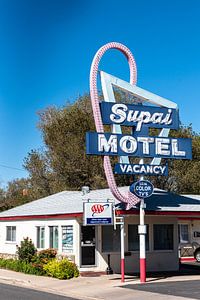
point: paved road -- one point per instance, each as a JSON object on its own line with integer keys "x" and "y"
{"x": 10, "y": 292}
{"x": 187, "y": 288}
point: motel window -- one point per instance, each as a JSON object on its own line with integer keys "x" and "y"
{"x": 163, "y": 236}
{"x": 53, "y": 237}
{"x": 110, "y": 239}
{"x": 67, "y": 239}
{"x": 183, "y": 233}
{"x": 11, "y": 233}
{"x": 40, "y": 237}
{"x": 133, "y": 238}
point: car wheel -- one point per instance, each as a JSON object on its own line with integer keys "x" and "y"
{"x": 197, "y": 256}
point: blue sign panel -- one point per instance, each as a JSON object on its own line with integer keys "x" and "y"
{"x": 141, "y": 169}
{"x": 139, "y": 115}
{"x": 140, "y": 146}
{"x": 99, "y": 221}
{"x": 142, "y": 188}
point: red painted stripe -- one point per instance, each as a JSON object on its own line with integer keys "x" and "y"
{"x": 142, "y": 270}
{"x": 122, "y": 269}
{"x": 118, "y": 212}
{"x": 56, "y": 216}
{"x": 182, "y": 259}
{"x": 189, "y": 218}
{"x": 151, "y": 212}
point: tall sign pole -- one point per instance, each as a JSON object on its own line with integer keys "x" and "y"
{"x": 142, "y": 233}
{"x": 120, "y": 221}
{"x": 142, "y": 236}
{"x": 122, "y": 251}
{"x": 147, "y": 110}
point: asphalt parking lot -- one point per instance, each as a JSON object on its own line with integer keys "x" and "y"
{"x": 186, "y": 288}
{"x": 186, "y": 268}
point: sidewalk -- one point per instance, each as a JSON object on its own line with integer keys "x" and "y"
{"x": 108, "y": 287}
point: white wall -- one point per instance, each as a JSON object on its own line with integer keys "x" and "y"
{"x": 156, "y": 260}
{"x": 27, "y": 228}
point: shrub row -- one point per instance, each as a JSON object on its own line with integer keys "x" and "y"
{"x": 63, "y": 269}
{"x": 39, "y": 263}
{"x": 21, "y": 266}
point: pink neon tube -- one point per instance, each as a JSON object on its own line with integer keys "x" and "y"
{"x": 128, "y": 198}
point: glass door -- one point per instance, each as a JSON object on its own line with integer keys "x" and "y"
{"x": 88, "y": 245}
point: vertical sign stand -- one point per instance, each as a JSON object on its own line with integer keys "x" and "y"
{"x": 142, "y": 233}
{"x": 120, "y": 221}
{"x": 122, "y": 251}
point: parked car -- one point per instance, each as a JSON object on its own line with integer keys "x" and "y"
{"x": 190, "y": 249}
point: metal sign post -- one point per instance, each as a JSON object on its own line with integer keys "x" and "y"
{"x": 122, "y": 252}
{"x": 142, "y": 233}
{"x": 120, "y": 221}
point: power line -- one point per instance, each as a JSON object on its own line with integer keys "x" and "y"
{"x": 13, "y": 168}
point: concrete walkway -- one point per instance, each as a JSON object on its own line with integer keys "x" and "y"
{"x": 107, "y": 287}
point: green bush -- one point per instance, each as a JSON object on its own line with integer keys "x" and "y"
{"x": 21, "y": 266}
{"x": 63, "y": 269}
{"x": 44, "y": 256}
{"x": 26, "y": 250}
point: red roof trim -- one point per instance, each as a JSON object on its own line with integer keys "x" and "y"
{"x": 118, "y": 212}
{"x": 56, "y": 216}
{"x": 189, "y": 218}
{"x": 165, "y": 213}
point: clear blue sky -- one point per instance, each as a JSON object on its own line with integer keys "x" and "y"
{"x": 47, "y": 47}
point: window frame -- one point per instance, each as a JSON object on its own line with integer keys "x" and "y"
{"x": 53, "y": 237}
{"x": 147, "y": 238}
{"x": 172, "y": 240}
{"x": 179, "y": 233}
{"x": 13, "y": 233}
{"x": 68, "y": 250}
{"x": 113, "y": 243}
{"x": 39, "y": 238}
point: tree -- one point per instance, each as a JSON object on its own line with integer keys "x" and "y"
{"x": 184, "y": 176}
{"x": 64, "y": 132}
{"x": 64, "y": 164}
{"x": 40, "y": 174}
{"x": 15, "y": 194}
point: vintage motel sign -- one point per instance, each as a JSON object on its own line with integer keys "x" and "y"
{"x": 139, "y": 115}
{"x": 140, "y": 146}
{"x": 147, "y": 111}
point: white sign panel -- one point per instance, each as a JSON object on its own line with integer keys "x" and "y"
{"x": 98, "y": 213}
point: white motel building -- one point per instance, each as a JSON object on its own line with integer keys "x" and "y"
{"x": 56, "y": 222}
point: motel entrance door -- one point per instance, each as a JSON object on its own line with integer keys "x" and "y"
{"x": 88, "y": 246}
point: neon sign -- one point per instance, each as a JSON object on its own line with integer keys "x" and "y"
{"x": 140, "y": 146}
{"x": 139, "y": 115}
{"x": 151, "y": 111}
